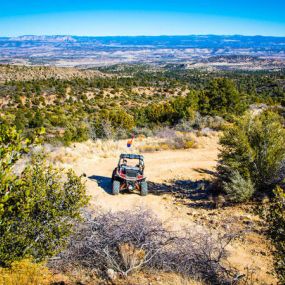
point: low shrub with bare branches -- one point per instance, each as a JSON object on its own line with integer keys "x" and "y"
{"x": 169, "y": 139}
{"x": 123, "y": 241}
{"x": 199, "y": 255}
{"x": 129, "y": 241}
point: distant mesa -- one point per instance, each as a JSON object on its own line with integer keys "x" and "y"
{"x": 55, "y": 38}
{"x": 209, "y": 52}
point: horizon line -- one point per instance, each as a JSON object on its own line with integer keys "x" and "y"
{"x": 142, "y": 35}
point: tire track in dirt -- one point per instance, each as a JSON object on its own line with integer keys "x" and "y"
{"x": 160, "y": 167}
{"x": 164, "y": 167}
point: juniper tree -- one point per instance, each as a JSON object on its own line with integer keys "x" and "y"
{"x": 38, "y": 206}
{"x": 254, "y": 146}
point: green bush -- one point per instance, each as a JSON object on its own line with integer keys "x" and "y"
{"x": 221, "y": 97}
{"x": 238, "y": 189}
{"x": 254, "y": 146}
{"x": 37, "y": 121}
{"x": 109, "y": 124}
{"x": 37, "y": 207}
{"x": 20, "y": 121}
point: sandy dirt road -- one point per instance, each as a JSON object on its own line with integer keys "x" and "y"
{"x": 162, "y": 168}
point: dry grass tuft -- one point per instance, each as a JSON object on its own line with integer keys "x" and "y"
{"x": 166, "y": 140}
{"x": 25, "y": 272}
{"x": 157, "y": 278}
{"x": 173, "y": 142}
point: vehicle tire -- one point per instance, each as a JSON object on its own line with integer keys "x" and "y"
{"x": 116, "y": 187}
{"x": 113, "y": 175}
{"x": 144, "y": 188}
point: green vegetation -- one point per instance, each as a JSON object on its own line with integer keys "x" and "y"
{"x": 252, "y": 165}
{"x": 136, "y": 96}
{"x": 254, "y": 147}
{"x": 40, "y": 203}
{"x": 38, "y": 206}
{"x": 238, "y": 188}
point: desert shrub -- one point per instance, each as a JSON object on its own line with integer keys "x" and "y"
{"x": 77, "y": 132}
{"x": 276, "y": 219}
{"x": 118, "y": 118}
{"x": 105, "y": 130}
{"x": 200, "y": 256}
{"x": 185, "y": 107}
{"x": 166, "y": 133}
{"x": 185, "y": 126}
{"x": 67, "y": 137}
{"x": 182, "y": 142}
{"x": 146, "y": 132}
{"x": 115, "y": 123}
{"x": 37, "y": 207}
{"x": 221, "y": 98}
{"x": 20, "y": 120}
{"x": 173, "y": 142}
{"x": 25, "y": 272}
{"x": 159, "y": 113}
{"x": 37, "y": 121}
{"x": 81, "y": 133}
{"x": 169, "y": 112}
{"x": 129, "y": 241}
{"x": 189, "y": 143}
{"x": 122, "y": 241}
{"x": 102, "y": 129}
{"x": 148, "y": 148}
{"x": 121, "y": 133}
{"x": 199, "y": 122}
{"x": 213, "y": 122}
{"x": 254, "y": 146}
{"x": 238, "y": 189}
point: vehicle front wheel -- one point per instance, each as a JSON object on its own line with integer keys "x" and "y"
{"x": 144, "y": 188}
{"x": 113, "y": 174}
{"x": 116, "y": 187}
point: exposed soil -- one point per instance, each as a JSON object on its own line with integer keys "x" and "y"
{"x": 178, "y": 196}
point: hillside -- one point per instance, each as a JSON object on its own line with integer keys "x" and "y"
{"x": 213, "y": 143}
{"x": 74, "y": 104}
{"x": 176, "y": 180}
{"x": 28, "y": 73}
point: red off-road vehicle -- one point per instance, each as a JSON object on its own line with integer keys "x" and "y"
{"x": 129, "y": 174}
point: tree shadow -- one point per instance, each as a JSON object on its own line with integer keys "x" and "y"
{"x": 191, "y": 193}
{"x": 206, "y": 171}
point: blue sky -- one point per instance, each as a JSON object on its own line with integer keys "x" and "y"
{"x": 145, "y": 17}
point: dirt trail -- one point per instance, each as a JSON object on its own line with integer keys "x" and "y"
{"x": 163, "y": 167}
{"x": 160, "y": 167}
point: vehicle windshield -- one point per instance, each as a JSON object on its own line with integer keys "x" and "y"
{"x": 130, "y": 162}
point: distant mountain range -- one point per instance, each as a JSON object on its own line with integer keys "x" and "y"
{"x": 199, "y": 41}
{"x": 93, "y": 51}
{"x": 43, "y": 38}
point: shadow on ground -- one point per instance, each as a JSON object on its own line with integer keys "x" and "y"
{"x": 191, "y": 193}
{"x": 206, "y": 171}
{"x": 194, "y": 194}
{"x": 104, "y": 182}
